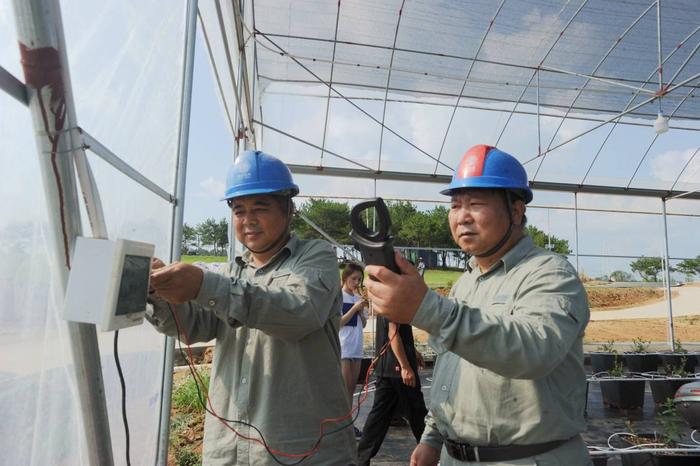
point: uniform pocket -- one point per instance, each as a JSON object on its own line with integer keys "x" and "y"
{"x": 279, "y": 280}
{"x": 500, "y": 309}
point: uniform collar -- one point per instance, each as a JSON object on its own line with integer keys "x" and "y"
{"x": 244, "y": 260}
{"x": 517, "y": 253}
{"x": 509, "y": 259}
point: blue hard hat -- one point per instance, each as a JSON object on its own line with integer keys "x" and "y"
{"x": 256, "y": 172}
{"x": 490, "y": 168}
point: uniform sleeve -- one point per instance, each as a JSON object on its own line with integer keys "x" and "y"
{"x": 549, "y": 313}
{"x": 291, "y": 307}
{"x": 193, "y": 323}
{"x": 431, "y": 435}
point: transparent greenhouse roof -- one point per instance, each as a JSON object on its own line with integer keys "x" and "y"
{"x": 571, "y": 88}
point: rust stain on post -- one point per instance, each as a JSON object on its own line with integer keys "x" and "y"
{"x": 42, "y": 69}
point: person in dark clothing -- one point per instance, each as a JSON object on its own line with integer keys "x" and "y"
{"x": 398, "y": 385}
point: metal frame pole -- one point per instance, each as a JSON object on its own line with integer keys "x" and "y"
{"x": 238, "y": 7}
{"x": 177, "y": 218}
{"x": 667, "y": 276}
{"x": 658, "y": 43}
{"x": 43, "y": 51}
{"x": 243, "y": 143}
{"x": 13, "y": 86}
{"x": 576, "y": 228}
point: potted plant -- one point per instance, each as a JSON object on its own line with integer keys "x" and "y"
{"x": 664, "y": 386}
{"x": 620, "y": 390}
{"x": 640, "y": 359}
{"x": 679, "y": 356}
{"x": 606, "y": 358}
{"x": 670, "y": 437}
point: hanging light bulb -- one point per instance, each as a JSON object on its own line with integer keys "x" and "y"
{"x": 661, "y": 123}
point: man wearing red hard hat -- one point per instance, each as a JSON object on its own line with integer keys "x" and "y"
{"x": 509, "y": 385}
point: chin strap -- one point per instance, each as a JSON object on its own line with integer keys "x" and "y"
{"x": 281, "y": 240}
{"x": 509, "y": 232}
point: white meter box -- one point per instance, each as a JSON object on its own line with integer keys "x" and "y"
{"x": 108, "y": 283}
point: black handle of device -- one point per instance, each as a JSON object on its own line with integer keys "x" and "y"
{"x": 376, "y": 247}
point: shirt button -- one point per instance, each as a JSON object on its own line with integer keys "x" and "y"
{"x": 212, "y": 302}
{"x": 244, "y": 381}
{"x": 443, "y": 388}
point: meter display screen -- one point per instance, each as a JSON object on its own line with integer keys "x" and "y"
{"x": 133, "y": 288}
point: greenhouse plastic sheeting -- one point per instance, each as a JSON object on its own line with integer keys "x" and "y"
{"x": 126, "y": 69}
{"x": 437, "y": 42}
{"x": 415, "y": 83}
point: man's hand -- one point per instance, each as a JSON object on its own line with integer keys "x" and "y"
{"x": 177, "y": 283}
{"x": 408, "y": 376}
{"x": 396, "y": 297}
{"x": 425, "y": 455}
{"x": 157, "y": 264}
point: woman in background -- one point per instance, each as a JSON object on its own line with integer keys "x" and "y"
{"x": 352, "y": 322}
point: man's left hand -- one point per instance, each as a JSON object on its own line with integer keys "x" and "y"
{"x": 408, "y": 377}
{"x": 396, "y": 296}
{"x": 177, "y": 283}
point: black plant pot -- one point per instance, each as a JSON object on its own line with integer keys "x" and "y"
{"x": 600, "y": 460}
{"x": 641, "y": 362}
{"x": 603, "y": 362}
{"x": 658, "y": 459}
{"x": 623, "y": 394}
{"x": 666, "y": 387}
{"x": 675, "y": 360}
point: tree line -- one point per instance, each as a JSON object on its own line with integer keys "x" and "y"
{"x": 208, "y": 233}
{"x": 411, "y": 227}
{"x": 649, "y": 269}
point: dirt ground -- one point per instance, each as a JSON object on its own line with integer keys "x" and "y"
{"x": 685, "y": 329}
{"x": 606, "y": 299}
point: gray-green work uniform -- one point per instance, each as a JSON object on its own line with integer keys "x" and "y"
{"x": 277, "y": 358}
{"x": 510, "y": 357}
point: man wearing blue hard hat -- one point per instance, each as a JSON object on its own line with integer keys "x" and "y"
{"x": 276, "y": 376}
{"x": 509, "y": 385}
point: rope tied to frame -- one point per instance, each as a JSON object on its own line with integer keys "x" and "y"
{"x": 241, "y": 134}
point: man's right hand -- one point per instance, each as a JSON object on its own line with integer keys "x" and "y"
{"x": 157, "y": 264}
{"x": 396, "y": 296}
{"x": 177, "y": 283}
{"x": 425, "y": 455}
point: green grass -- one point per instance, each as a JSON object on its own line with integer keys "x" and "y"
{"x": 185, "y": 396}
{"x": 187, "y": 457}
{"x": 441, "y": 278}
{"x": 190, "y": 259}
{"x": 434, "y": 278}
